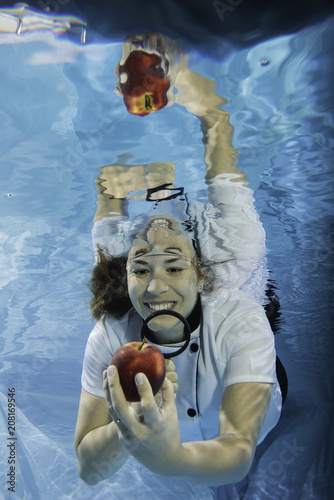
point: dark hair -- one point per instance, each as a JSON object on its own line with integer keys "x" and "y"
{"x": 109, "y": 287}
{"x": 109, "y": 284}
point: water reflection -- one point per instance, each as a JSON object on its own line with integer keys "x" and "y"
{"x": 22, "y": 19}
{"x": 147, "y": 71}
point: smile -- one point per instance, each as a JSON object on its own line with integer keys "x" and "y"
{"x": 160, "y": 307}
{"x": 161, "y": 222}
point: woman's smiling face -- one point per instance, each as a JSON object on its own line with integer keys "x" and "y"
{"x": 162, "y": 276}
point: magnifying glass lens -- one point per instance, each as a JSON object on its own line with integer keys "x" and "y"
{"x": 145, "y": 332}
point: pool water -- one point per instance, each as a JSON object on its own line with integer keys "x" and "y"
{"x": 61, "y": 121}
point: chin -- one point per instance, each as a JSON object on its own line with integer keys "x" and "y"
{"x": 162, "y": 323}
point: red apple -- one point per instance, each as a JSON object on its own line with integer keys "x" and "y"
{"x": 139, "y": 357}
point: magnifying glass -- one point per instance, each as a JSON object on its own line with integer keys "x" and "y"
{"x": 145, "y": 331}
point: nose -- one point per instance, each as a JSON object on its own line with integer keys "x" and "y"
{"x": 157, "y": 234}
{"x": 157, "y": 286}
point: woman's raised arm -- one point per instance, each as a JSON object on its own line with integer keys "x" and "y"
{"x": 198, "y": 95}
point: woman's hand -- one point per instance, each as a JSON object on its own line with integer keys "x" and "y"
{"x": 118, "y": 181}
{"x": 153, "y": 436}
{"x": 197, "y": 93}
{"x": 172, "y": 376}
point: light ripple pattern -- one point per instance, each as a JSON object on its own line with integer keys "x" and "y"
{"x": 59, "y": 122}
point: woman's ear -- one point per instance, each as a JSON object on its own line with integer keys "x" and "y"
{"x": 200, "y": 285}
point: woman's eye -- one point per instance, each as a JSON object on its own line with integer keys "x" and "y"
{"x": 174, "y": 270}
{"x": 140, "y": 272}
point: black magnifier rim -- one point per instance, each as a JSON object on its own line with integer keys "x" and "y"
{"x": 187, "y": 330}
{"x": 177, "y": 192}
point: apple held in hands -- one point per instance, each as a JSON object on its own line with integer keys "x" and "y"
{"x": 139, "y": 357}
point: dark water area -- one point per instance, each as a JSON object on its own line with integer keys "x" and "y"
{"x": 195, "y": 23}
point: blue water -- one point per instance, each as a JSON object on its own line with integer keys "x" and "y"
{"x": 59, "y": 122}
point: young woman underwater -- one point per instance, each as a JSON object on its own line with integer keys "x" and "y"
{"x": 220, "y": 397}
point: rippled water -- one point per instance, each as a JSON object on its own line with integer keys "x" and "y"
{"x": 59, "y": 123}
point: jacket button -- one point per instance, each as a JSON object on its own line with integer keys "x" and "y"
{"x": 194, "y": 347}
{"x": 191, "y": 412}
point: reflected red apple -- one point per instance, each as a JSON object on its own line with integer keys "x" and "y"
{"x": 146, "y": 85}
{"x": 139, "y": 357}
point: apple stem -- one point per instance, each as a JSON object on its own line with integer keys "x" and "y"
{"x": 144, "y": 342}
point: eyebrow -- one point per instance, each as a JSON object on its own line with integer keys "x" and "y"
{"x": 140, "y": 252}
{"x": 173, "y": 248}
{"x": 166, "y": 261}
{"x": 144, "y": 251}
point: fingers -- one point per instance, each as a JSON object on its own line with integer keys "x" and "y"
{"x": 160, "y": 173}
{"x": 172, "y": 377}
{"x": 106, "y": 392}
{"x": 170, "y": 366}
{"x": 171, "y": 374}
{"x": 117, "y": 404}
{"x": 119, "y": 409}
{"x": 167, "y": 394}
{"x": 149, "y": 406}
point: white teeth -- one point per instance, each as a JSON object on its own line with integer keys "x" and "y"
{"x": 161, "y": 307}
{"x": 160, "y": 222}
